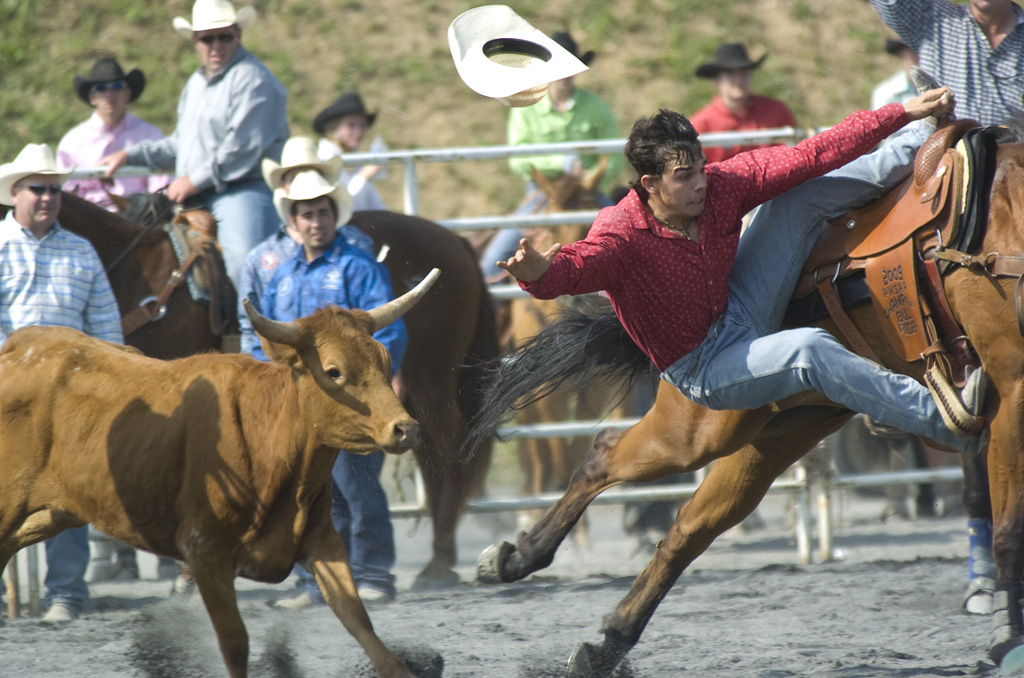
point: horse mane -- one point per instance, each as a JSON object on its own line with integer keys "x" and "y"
{"x": 577, "y": 349}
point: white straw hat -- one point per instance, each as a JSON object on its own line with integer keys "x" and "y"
{"x": 300, "y": 153}
{"x": 33, "y": 159}
{"x": 310, "y": 186}
{"x": 501, "y": 56}
{"x": 208, "y": 15}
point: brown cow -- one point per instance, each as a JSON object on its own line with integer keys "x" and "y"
{"x": 221, "y": 461}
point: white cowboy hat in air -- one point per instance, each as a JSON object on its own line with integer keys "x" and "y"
{"x": 208, "y": 15}
{"x": 310, "y": 186}
{"x": 300, "y": 153}
{"x": 33, "y": 159}
{"x": 501, "y": 56}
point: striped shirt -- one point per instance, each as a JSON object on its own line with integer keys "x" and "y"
{"x": 58, "y": 280}
{"x": 988, "y": 83}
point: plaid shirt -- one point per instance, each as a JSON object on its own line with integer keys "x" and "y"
{"x": 988, "y": 83}
{"x": 58, "y": 280}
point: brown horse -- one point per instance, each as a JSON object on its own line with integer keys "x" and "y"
{"x": 145, "y": 261}
{"x": 753, "y": 447}
{"x": 452, "y": 345}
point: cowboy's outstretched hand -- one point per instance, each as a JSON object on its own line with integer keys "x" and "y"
{"x": 527, "y": 264}
{"x": 937, "y": 102}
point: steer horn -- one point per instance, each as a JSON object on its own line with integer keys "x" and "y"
{"x": 274, "y": 330}
{"x": 385, "y": 314}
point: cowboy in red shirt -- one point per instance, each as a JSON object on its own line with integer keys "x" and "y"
{"x": 735, "y": 107}
{"x": 706, "y": 306}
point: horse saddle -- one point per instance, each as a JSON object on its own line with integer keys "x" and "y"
{"x": 193, "y": 236}
{"x": 885, "y": 252}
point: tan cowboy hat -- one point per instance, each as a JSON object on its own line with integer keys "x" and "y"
{"x": 501, "y": 56}
{"x": 33, "y": 159}
{"x": 310, "y": 186}
{"x": 210, "y": 14}
{"x": 300, "y": 152}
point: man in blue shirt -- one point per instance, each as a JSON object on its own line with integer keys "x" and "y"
{"x": 328, "y": 270}
{"x": 261, "y": 263}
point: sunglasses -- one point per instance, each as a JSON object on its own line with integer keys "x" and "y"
{"x": 222, "y": 38}
{"x": 115, "y": 86}
{"x": 41, "y": 189}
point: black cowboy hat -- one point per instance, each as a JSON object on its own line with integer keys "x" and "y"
{"x": 566, "y": 41}
{"x": 728, "y": 55}
{"x": 107, "y": 69}
{"x": 349, "y": 103}
{"x": 893, "y": 46}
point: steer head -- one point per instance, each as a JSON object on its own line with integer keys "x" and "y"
{"x": 343, "y": 375}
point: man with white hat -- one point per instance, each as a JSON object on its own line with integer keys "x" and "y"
{"x": 51, "y": 277}
{"x": 299, "y": 154}
{"x": 328, "y": 270}
{"x": 231, "y": 115}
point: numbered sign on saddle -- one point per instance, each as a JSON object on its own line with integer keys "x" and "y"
{"x": 885, "y": 239}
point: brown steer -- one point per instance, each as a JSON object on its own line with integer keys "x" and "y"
{"x": 219, "y": 460}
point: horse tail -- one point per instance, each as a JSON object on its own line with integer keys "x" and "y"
{"x": 575, "y": 350}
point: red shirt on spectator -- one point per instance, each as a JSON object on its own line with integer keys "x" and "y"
{"x": 666, "y": 290}
{"x": 763, "y": 113}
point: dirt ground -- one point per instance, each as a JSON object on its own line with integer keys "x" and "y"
{"x": 889, "y": 606}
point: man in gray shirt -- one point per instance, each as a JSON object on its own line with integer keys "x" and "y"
{"x": 231, "y": 115}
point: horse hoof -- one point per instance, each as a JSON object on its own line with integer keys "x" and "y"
{"x": 580, "y": 664}
{"x": 978, "y": 599}
{"x": 440, "y": 580}
{"x": 1012, "y": 663}
{"x": 490, "y": 562}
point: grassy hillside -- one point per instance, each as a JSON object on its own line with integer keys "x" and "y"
{"x": 824, "y": 57}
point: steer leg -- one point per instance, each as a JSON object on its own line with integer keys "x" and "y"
{"x": 32, "y": 529}
{"x": 732, "y": 489}
{"x": 675, "y": 436}
{"x": 214, "y": 578}
{"x": 328, "y": 561}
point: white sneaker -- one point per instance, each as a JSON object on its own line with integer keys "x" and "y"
{"x": 60, "y": 613}
{"x": 372, "y": 595}
{"x": 299, "y": 602}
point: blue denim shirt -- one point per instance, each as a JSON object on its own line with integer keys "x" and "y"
{"x": 261, "y": 264}
{"x": 344, "y": 276}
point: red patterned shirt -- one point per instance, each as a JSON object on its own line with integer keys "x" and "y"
{"x": 668, "y": 291}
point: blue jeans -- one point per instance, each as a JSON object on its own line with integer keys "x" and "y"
{"x": 745, "y": 362}
{"x": 360, "y": 514}
{"x": 245, "y": 217}
{"x": 67, "y": 557}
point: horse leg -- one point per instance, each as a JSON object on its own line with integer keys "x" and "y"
{"x": 981, "y": 566}
{"x": 675, "y": 436}
{"x": 732, "y": 489}
{"x": 1006, "y": 477}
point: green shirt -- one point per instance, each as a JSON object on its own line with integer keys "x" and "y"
{"x": 588, "y": 117}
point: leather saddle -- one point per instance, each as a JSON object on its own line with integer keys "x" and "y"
{"x": 886, "y": 252}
